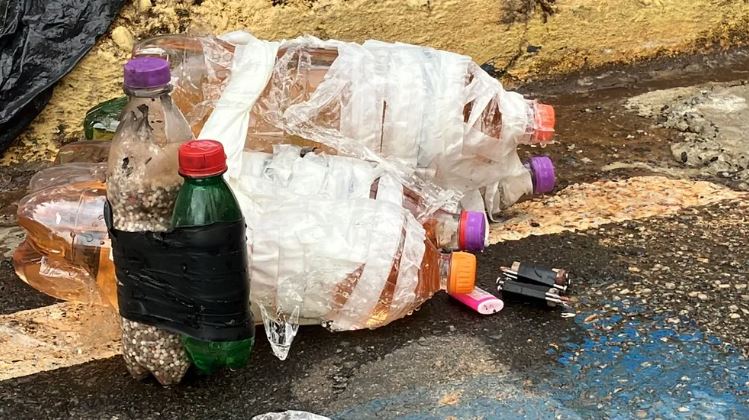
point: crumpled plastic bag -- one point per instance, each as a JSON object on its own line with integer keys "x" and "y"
{"x": 40, "y": 42}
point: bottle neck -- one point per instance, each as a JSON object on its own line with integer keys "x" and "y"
{"x": 447, "y": 230}
{"x": 205, "y": 181}
{"x": 203, "y": 201}
{"x": 445, "y": 263}
{"x": 527, "y": 179}
{"x": 151, "y": 92}
{"x": 511, "y": 189}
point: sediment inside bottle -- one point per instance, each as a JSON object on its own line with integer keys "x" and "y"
{"x": 143, "y": 182}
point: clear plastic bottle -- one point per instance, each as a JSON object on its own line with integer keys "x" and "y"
{"x": 454, "y": 273}
{"x": 83, "y": 152}
{"x": 536, "y": 176}
{"x": 69, "y": 173}
{"x": 66, "y": 250}
{"x": 142, "y": 184}
{"x": 451, "y": 229}
{"x": 346, "y": 263}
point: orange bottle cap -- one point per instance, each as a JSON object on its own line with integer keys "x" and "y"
{"x": 544, "y": 122}
{"x": 462, "y": 278}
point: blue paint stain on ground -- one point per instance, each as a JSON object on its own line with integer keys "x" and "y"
{"x": 630, "y": 364}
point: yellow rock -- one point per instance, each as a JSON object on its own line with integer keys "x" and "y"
{"x": 144, "y": 5}
{"x": 123, "y": 38}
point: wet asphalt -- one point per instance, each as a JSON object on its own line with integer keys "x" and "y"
{"x": 654, "y": 298}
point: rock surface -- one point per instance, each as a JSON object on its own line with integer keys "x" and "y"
{"x": 712, "y": 121}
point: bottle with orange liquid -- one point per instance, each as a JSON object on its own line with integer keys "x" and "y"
{"x": 330, "y": 102}
{"x": 347, "y": 264}
{"x": 66, "y": 250}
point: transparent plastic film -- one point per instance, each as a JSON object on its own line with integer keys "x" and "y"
{"x": 434, "y": 116}
{"x": 303, "y": 249}
{"x": 328, "y": 236}
{"x": 346, "y": 112}
{"x": 421, "y": 108}
{"x": 404, "y": 298}
{"x": 251, "y": 68}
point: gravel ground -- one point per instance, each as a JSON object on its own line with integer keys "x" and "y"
{"x": 694, "y": 265}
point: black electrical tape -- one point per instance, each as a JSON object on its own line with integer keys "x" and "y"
{"x": 535, "y": 274}
{"x": 525, "y": 289}
{"x": 191, "y": 280}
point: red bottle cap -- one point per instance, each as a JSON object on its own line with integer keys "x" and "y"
{"x": 201, "y": 158}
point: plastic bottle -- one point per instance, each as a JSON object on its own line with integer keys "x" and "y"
{"x": 347, "y": 263}
{"x": 65, "y": 253}
{"x": 142, "y": 184}
{"x": 69, "y": 173}
{"x": 83, "y": 152}
{"x": 102, "y": 120}
{"x": 340, "y": 177}
{"x": 475, "y": 149}
{"x": 202, "y": 64}
{"x": 454, "y": 273}
{"x": 204, "y": 199}
{"x": 536, "y": 176}
{"x": 78, "y": 191}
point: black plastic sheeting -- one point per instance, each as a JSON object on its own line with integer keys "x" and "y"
{"x": 40, "y": 42}
{"x": 191, "y": 280}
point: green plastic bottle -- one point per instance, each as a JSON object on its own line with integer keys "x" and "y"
{"x": 102, "y": 120}
{"x": 205, "y": 198}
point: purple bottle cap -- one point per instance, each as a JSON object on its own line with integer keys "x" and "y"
{"x": 146, "y": 72}
{"x": 472, "y": 231}
{"x": 542, "y": 171}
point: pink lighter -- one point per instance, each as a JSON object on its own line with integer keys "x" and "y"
{"x": 481, "y": 301}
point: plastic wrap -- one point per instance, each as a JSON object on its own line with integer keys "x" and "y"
{"x": 429, "y": 113}
{"x": 333, "y": 243}
{"x": 239, "y": 120}
{"x": 434, "y": 112}
{"x": 328, "y": 261}
{"x": 200, "y": 68}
